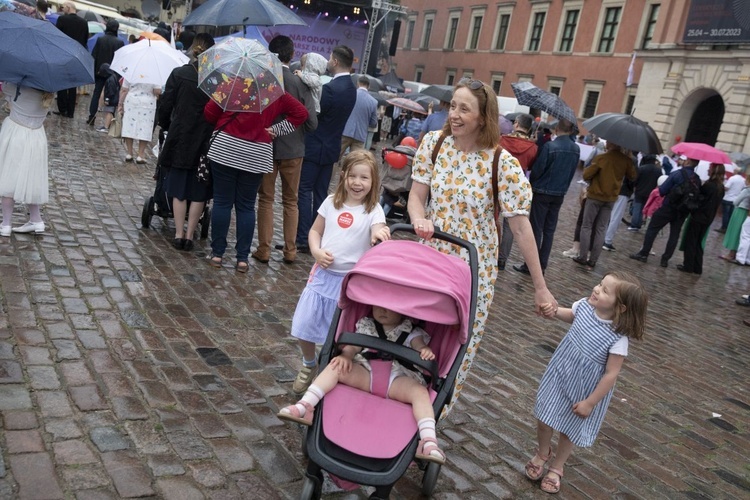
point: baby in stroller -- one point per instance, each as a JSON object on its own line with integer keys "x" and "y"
{"x": 405, "y": 384}
{"x": 395, "y": 179}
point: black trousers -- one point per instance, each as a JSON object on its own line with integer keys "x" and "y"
{"x": 693, "y": 256}
{"x": 98, "y": 87}
{"x": 66, "y": 102}
{"x": 665, "y": 215}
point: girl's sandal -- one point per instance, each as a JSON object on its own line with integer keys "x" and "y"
{"x": 242, "y": 266}
{"x": 214, "y": 261}
{"x": 536, "y": 471}
{"x": 551, "y": 484}
{"x": 426, "y": 448}
{"x": 291, "y": 413}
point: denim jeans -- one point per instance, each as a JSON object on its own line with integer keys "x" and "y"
{"x": 637, "y": 219}
{"x": 545, "y": 209}
{"x": 726, "y": 213}
{"x": 239, "y": 189}
{"x": 313, "y": 190}
{"x": 98, "y": 87}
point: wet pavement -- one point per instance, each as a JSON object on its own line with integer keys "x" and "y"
{"x": 130, "y": 369}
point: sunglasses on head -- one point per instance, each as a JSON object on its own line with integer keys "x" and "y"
{"x": 472, "y": 84}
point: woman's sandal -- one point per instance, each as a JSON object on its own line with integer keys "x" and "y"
{"x": 242, "y": 266}
{"x": 214, "y": 261}
{"x": 551, "y": 484}
{"x": 291, "y": 413}
{"x": 536, "y": 471}
{"x": 426, "y": 447}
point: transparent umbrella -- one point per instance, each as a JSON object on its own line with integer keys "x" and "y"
{"x": 240, "y": 75}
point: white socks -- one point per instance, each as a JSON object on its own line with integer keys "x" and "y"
{"x": 313, "y": 396}
{"x": 427, "y": 428}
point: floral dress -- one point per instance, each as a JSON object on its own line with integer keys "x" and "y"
{"x": 461, "y": 205}
{"x": 139, "y": 110}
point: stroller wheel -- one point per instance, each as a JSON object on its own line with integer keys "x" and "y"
{"x": 310, "y": 490}
{"x": 205, "y": 221}
{"x": 148, "y": 212}
{"x": 429, "y": 481}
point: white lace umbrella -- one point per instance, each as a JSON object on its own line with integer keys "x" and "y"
{"x": 147, "y": 61}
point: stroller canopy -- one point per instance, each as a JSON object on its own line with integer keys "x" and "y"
{"x": 414, "y": 279}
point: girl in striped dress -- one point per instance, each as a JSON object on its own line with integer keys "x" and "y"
{"x": 577, "y": 386}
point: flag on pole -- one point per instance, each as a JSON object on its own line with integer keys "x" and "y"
{"x": 631, "y": 72}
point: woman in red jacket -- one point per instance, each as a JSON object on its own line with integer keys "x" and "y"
{"x": 240, "y": 153}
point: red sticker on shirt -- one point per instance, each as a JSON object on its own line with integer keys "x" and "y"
{"x": 346, "y": 220}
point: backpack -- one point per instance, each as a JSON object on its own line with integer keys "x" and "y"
{"x": 686, "y": 197}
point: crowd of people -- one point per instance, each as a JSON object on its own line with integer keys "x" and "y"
{"x": 469, "y": 180}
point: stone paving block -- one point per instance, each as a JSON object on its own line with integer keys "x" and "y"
{"x": 6, "y": 351}
{"x": 142, "y": 370}
{"x": 165, "y": 465}
{"x": 275, "y": 462}
{"x": 189, "y": 446}
{"x": 177, "y": 378}
{"x": 30, "y": 337}
{"x": 178, "y": 489}
{"x": 14, "y": 397}
{"x": 117, "y": 385}
{"x": 91, "y": 339}
{"x": 35, "y": 355}
{"x": 26, "y": 441}
{"x": 258, "y": 485}
{"x": 84, "y": 478}
{"x": 128, "y": 408}
{"x": 88, "y": 398}
{"x": 10, "y": 372}
{"x": 207, "y": 474}
{"x": 128, "y": 475}
{"x": 210, "y": 425}
{"x": 108, "y": 439}
{"x": 66, "y": 349}
{"x": 94, "y": 419}
{"x": 19, "y": 420}
{"x": 103, "y": 362}
{"x": 73, "y": 452}
{"x": 76, "y": 373}
{"x": 147, "y": 437}
{"x": 248, "y": 392}
{"x": 224, "y": 402}
{"x": 62, "y": 428}
{"x": 192, "y": 402}
{"x": 43, "y": 377}
{"x": 243, "y": 427}
{"x": 35, "y": 475}
{"x": 125, "y": 350}
{"x": 232, "y": 455}
{"x": 157, "y": 394}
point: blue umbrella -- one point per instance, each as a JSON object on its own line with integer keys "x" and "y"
{"x": 242, "y": 13}
{"x": 36, "y": 54}
{"x": 92, "y": 40}
{"x": 251, "y": 33}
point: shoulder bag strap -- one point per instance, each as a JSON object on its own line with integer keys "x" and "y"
{"x": 437, "y": 147}
{"x": 218, "y": 130}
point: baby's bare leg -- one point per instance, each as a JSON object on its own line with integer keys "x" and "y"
{"x": 408, "y": 390}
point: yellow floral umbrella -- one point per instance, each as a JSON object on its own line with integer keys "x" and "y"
{"x": 240, "y": 75}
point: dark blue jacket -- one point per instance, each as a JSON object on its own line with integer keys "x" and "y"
{"x": 675, "y": 179}
{"x": 555, "y": 166}
{"x": 323, "y": 145}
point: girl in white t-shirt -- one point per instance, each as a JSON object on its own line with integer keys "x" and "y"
{"x": 349, "y": 222}
{"x": 576, "y": 388}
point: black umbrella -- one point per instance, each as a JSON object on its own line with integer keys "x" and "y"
{"x": 532, "y": 96}
{"x": 381, "y": 100}
{"x": 424, "y": 100}
{"x": 375, "y": 83}
{"x": 439, "y": 92}
{"x": 741, "y": 159}
{"x": 89, "y": 15}
{"x": 242, "y": 12}
{"x": 626, "y": 131}
{"x": 392, "y": 82}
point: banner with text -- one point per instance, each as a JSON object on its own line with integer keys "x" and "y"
{"x": 718, "y": 22}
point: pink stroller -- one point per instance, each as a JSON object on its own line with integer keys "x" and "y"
{"x": 366, "y": 438}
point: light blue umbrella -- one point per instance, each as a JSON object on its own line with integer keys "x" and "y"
{"x": 36, "y": 54}
{"x": 251, "y": 33}
{"x": 243, "y": 13}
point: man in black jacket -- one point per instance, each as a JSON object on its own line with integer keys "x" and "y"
{"x": 78, "y": 29}
{"x": 104, "y": 52}
{"x": 648, "y": 174}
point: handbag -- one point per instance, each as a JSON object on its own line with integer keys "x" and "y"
{"x": 203, "y": 172}
{"x": 115, "y": 127}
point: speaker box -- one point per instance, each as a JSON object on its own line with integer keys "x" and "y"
{"x": 394, "y": 38}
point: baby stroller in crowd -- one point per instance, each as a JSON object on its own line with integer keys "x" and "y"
{"x": 396, "y": 181}
{"x": 161, "y": 205}
{"x": 365, "y": 438}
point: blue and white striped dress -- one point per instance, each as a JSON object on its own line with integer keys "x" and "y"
{"x": 575, "y": 369}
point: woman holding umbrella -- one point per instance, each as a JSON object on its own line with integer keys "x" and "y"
{"x": 23, "y": 156}
{"x": 181, "y": 113}
{"x": 244, "y": 108}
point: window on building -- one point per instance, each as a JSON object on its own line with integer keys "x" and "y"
{"x": 609, "y": 29}
{"x": 589, "y": 106}
{"x": 537, "y": 27}
{"x": 554, "y": 89}
{"x": 497, "y": 82}
{"x": 569, "y": 31}
{"x": 502, "y": 31}
{"x": 409, "y": 33}
{"x": 418, "y": 74}
{"x": 426, "y": 33}
{"x": 452, "y": 30}
{"x": 476, "y": 28}
{"x": 450, "y": 77}
{"x": 629, "y": 104}
{"x": 648, "y": 34}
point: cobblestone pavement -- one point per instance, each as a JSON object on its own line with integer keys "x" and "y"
{"x": 129, "y": 369}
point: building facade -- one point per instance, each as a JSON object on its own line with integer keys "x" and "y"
{"x": 583, "y": 51}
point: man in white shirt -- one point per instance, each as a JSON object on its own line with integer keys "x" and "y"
{"x": 732, "y": 188}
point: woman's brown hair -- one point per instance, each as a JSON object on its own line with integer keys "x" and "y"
{"x": 717, "y": 174}
{"x": 354, "y": 158}
{"x": 489, "y": 134}
{"x": 631, "y": 321}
